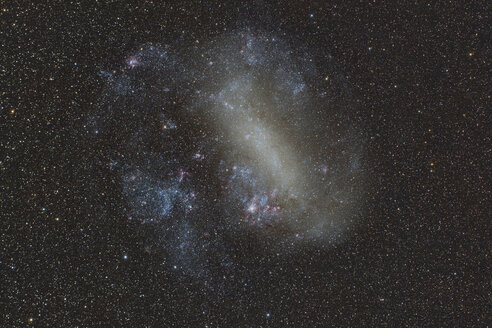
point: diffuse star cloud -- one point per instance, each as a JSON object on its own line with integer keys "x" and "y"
{"x": 266, "y": 113}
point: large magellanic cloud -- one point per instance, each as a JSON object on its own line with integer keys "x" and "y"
{"x": 235, "y": 138}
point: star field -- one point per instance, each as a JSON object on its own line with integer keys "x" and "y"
{"x": 245, "y": 164}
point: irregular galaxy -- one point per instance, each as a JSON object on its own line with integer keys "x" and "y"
{"x": 230, "y": 145}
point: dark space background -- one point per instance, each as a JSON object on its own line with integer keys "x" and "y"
{"x": 420, "y": 255}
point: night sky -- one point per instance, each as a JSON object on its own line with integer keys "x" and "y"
{"x": 245, "y": 164}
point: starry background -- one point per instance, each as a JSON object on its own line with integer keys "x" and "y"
{"x": 419, "y": 255}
